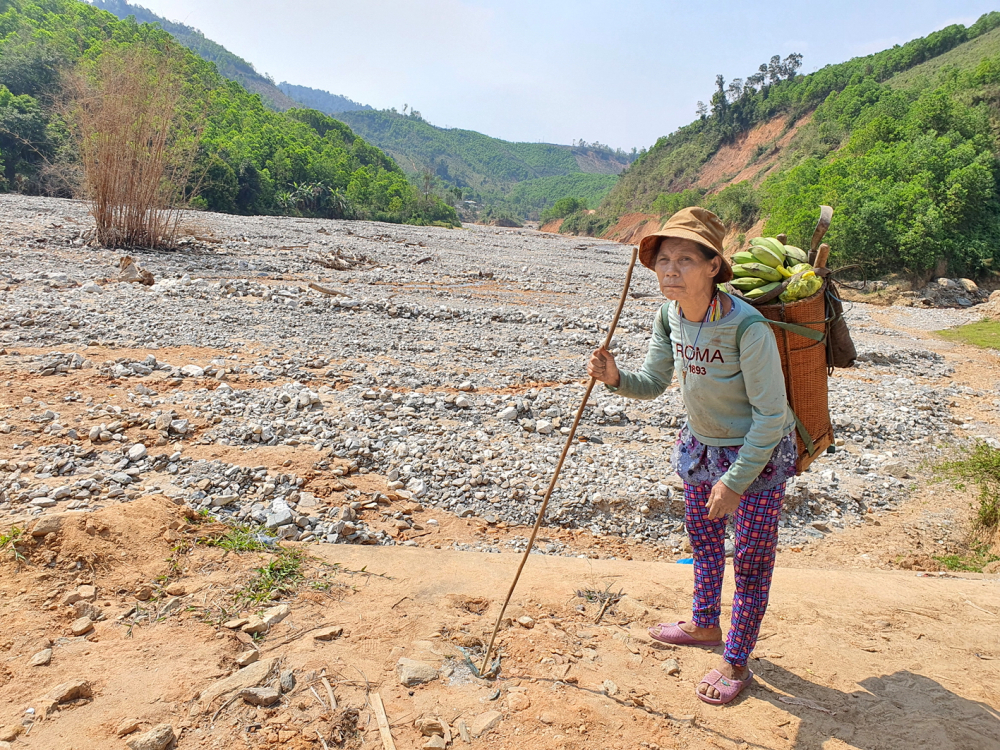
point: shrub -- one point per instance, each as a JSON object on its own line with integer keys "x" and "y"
{"x": 582, "y": 222}
{"x": 671, "y": 203}
{"x": 563, "y": 208}
{"x": 980, "y": 467}
{"x": 136, "y": 142}
{"x": 737, "y": 205}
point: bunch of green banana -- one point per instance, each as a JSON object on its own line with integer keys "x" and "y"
{"x": 762, "y": 290}
{"x": 767, "y": 263}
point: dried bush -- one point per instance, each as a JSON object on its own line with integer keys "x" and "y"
{"x": 137, "y": 136}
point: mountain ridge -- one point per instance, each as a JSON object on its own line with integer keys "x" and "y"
{"x": 487, "y": 169}
{"x": 903, "y": 144}
{"x": 229, "y": 65}
{"x": 489, "y": 172}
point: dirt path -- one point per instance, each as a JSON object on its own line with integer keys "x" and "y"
{"x": 847, "y": 659}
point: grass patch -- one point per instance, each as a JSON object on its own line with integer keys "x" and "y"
{"x": 985, "y": 334}
{"x": 278, "y": 578}
{"x": 9, "y": 540}
{"x": 973, "y": 562}
{"x": 239, "y": 539}
{"x": 980, "y": 467}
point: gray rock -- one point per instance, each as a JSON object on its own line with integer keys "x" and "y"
{"x": 157, "y": 738}
{"x": 127, "y": 726}
{"x": 137, "y": 452}
{"x": 280, "y": 517}
{"x": 484, "y": 722}
{"x": 260, "y": 696}
{"x": 69, "y": 691}
{"x": 247, "y": 677}
{"x": 247, "y": 658}
{"x": 329, "y": 633}
{"x": 411, "y": 672}
{"x": 267, "y": 619}
{"x": 42, "y": 658}
{"x": 287, "y": 681}
{"x": 47, "y": 525}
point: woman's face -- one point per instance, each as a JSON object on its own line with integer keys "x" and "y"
{"x": 683, "y": 271}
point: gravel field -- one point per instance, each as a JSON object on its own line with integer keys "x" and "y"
{"x": 451, "y": 363}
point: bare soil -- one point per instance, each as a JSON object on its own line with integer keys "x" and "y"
{"x": 846, "y": 659}
{"x": 631, "y": 228}
{"x": 752, "y": 156}
{"x": 867, "y": 643}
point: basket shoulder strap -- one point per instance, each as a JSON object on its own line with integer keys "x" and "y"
{"x": 807, "y": 440}
{"x": 809, "y": 333}
{"x": 665, "y": 317}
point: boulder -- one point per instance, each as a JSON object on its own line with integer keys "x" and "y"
{"x": 267, "y": 619}
{"x": 47, "y": 525}
{"x": 412, "y": 672}
{"x": 157, "y": 738}
{"x": 247, "y": 677}
{"x": 484, "y": 723}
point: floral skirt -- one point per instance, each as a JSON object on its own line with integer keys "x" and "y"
{"x": 697, "y": 463}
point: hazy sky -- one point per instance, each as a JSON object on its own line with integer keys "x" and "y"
{"x": 622, "y": 73}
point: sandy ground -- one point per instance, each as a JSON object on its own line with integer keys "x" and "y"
{"x": 847, "y": 658}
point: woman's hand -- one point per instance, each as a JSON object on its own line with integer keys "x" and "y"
{"x": 722, "y": 501}
{"x": 602, "y": 367}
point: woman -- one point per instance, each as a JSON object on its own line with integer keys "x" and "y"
{"x": 737, "y": 448}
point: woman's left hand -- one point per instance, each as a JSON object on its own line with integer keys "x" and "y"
{"x": 722, "y": 501}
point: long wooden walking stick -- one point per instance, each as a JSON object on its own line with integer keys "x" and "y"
{"x": 562, "y": 458}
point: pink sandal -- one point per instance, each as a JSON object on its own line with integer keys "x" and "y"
{"x": 672, "y": 633}
{"x": 728, "y": 689}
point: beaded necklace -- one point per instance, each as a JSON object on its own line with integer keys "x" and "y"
{"x": 712, "y": 315}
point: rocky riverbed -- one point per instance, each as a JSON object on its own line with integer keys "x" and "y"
{"x": 446, "y": 364}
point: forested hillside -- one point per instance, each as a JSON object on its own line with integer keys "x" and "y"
{"x": 324, "y": 101}
{"x": 231, "y": 66}
{"x": 488, "y": 176}
{"x": 901, "y": 143}
{"x": 520, "y": 178}
{"x": 251, "y": 159}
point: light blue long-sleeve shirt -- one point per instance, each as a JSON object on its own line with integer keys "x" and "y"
{"x": 734, "y": 392}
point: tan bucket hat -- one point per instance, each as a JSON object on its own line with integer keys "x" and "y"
{"x": 697, "y": 224}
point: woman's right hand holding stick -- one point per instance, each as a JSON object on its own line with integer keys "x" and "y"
{"x": 602, "y": 367}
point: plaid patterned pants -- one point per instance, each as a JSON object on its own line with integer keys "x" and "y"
{"x": 756, "y": 522}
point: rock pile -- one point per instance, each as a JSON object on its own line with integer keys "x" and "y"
{"x": 455, "y": 379}
{"x": 942, "y": 292}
